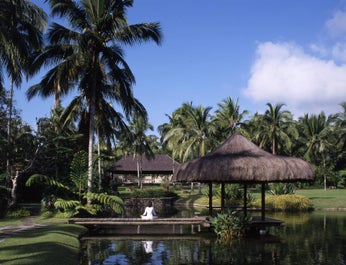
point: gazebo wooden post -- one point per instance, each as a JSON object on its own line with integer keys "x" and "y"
{"x": 245, "y": 199}
{"x": 222, "y": 196}
{"x": 210, "y": 199}
{"x": 263, "y": 203}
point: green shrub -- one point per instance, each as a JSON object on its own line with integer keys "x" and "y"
{"x": 231, "y": 225}
{"x": 18, "y": 213}
{"x": 282, "y": 188}
{"x": 234, "y": 195}
{"x": 287, "y": 203}
{"x": 153, "y": 193}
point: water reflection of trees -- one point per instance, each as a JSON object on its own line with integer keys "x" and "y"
{"x": 320, "y": 240}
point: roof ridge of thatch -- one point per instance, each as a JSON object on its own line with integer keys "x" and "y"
{"x": 237, "y": 143}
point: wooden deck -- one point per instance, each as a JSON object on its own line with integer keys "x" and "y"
{"x": 141, "y": 226}
{"x": 138, "y": 221}
{"x": 257, "y": 221}
{"x": 162, "y": 226}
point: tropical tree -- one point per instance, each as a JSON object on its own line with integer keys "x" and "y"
{"x": 58, "y": 141}
{"x": 191, "y": 132}
{"x": 21, "y": 29}
{"x": 228, "y": 118}
{"x": 275, "y": 129}
{"x": 137, "y": 142}
{"x": 73, "y": 195}
{"x": 109, "y": 123}
{"x": 318, "y": 141}
{"x": 340, "y": 124}
{"x": 89, "y": 56}
{"x": 23, "y": 153}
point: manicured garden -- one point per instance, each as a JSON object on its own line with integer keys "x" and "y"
{"x": 57, "y": 242}
{"x": 52, "y": 244}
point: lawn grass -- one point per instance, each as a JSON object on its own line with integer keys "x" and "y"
{"x": 53, "y": 244}
{"x": 57, "y": 243}
{"x": 330, "y": 199}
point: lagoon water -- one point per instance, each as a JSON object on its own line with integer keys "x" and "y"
{"x": 317, "y": 238}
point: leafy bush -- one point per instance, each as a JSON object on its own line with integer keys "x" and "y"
{"x": 153, "y": 193}
{"x": 231, "y": 225}
{"x": 18, "y": 213}
{"x": 287, "y": 202}
{"x": 234, "y": 195}
{"x": 76, "y": 197}
{"x": 282, "y": 188}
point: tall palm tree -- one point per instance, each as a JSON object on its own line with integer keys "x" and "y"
{"x": 21, "y": 29}
{"x": 191, "y": 131}
{"x": 317, "y": 138}
{"x": 89, "y": 56}
{"x": 228, "y": 117}
{"x": 139, "y": 143}
{"x": 277, "y": 127}
{"x": 341, "y": 123}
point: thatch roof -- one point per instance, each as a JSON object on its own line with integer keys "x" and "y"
{"x": 238, "y": 160}
{"x": 160, "y": 164}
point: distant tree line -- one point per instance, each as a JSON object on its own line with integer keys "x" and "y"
{"x": 105, "y": 119}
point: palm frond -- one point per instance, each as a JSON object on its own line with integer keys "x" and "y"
{"x": 114, "y": 202}
{"x": 43, "y": 179}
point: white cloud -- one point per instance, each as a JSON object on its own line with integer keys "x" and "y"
{"x": 283, "y": 72}
{"x": 339, "y": 51}
{"x": 336, "y": 26}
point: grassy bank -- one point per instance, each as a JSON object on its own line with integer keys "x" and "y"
{"x": 330, "y": 199}
{"x": 57, "y": 242}
{"x": 53, "y": 244}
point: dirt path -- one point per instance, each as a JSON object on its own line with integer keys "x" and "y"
{"x": 7, "y": 231}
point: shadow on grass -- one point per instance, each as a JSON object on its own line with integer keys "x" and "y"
{"x": 49, "y": 245}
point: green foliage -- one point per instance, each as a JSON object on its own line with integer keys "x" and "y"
{"x": 45, "y": 180}
{"x": 234, "y": 195}
{"x": 286, "y": 202}
{"x": 165, "y": 184}
{"x": 114, "y": 202}
{"x": 153, "y": 193}
{"x": 76, "y": 205}
{"x": 79, "y": 173}
{"x": 18, "y": 213}
{"x": 4, "y": 195}
{"x": 282, "y": 188}
{"x": 232, "y": 225}
{"x": 341, "y": 178}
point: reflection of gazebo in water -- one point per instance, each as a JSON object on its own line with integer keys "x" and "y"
{"x": 238, "y": 160}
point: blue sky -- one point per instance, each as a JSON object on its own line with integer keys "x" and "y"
{"x": 257, "y": 51}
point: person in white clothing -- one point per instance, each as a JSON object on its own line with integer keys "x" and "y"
{"x": 148, "y": 246}
{"x": 149, "y": 212}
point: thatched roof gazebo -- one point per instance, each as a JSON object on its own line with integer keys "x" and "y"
{"x": 238, "y": 160}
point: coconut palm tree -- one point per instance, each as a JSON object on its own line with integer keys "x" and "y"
{"x": 228, "y": 118}
{"x": 275, "y": 128}
{"x": 139, "y": 143}
{"x": 341, "y": 123}
{"x": 21, "y": 29}
{"x": 316, "y": 135}
{"x": 191, "y": 131}
{"x": 88, "y": 55}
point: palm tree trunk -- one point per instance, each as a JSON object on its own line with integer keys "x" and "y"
{"x": 273, "y": 145}
{"x": 324, "y": 174}
{"x": 91, "y": 141}
{"x": 138, "y": 177}
{"x": 14, "y": 180}
{"x": 9, "y": 126}
{"x": 99, "y": 158}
